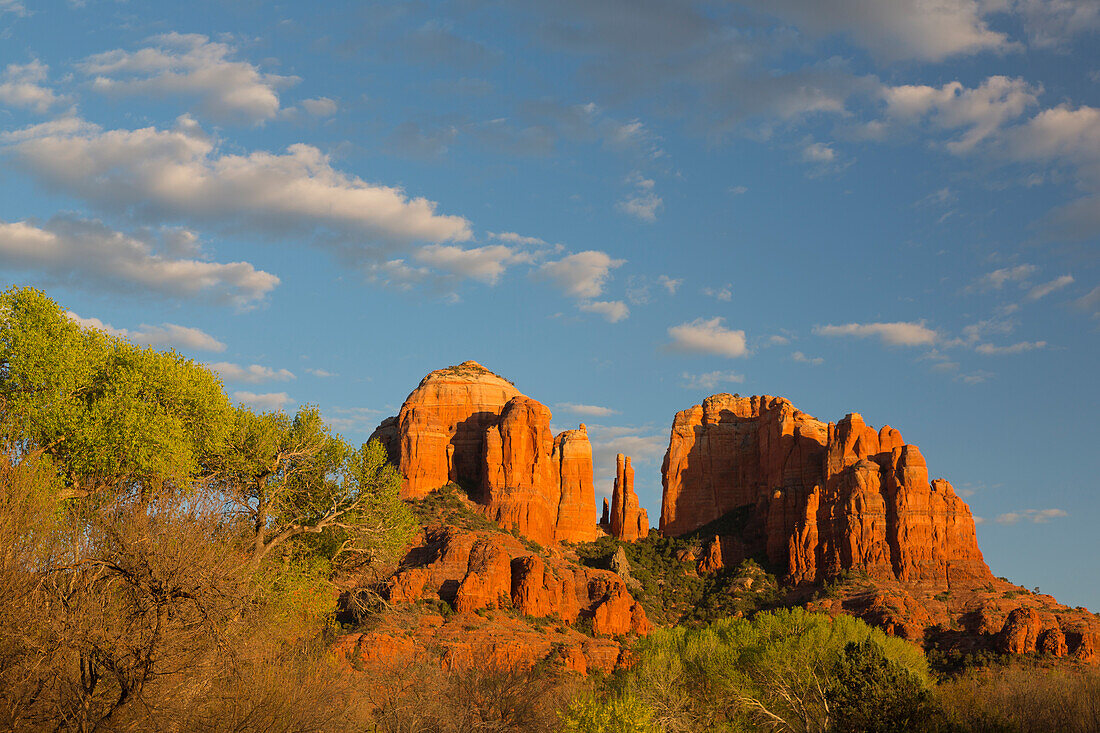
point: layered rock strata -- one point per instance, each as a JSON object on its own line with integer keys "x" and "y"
{"x": 474, "y": 571}
{"x": 466, "y": 425}
{"x": 628, "y": 520}
{"x": 825, "y": 497}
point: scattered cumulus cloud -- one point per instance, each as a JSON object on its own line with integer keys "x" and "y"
{"x": 670, "y": 284}
{"x": 191, "y": 65}
{"x": 486, "y": 263}
{"x": 588, "y": 410}
{"x": 268, "y": 401}
{"x": 895, "y": 30}
{"x": 581, "y": 275}
{"x": 180, "y": 174}
{"x": 724, "y": 293}
{"x": 1038, "y": 516}
{"x": 1017, "y": 348}
{"x": 997, "y": 279}
{"x": 86, "y": 253}
{"x": 322, "y": 373}
{"x": 252, "y": 374}
{"x": 514, "y": 238}
{"x": 899, "y": 333}
{"x": 320, "y": 107}
{"x": 644, "y": 202}
{"x": 708, "y": 336}
{"x": 166, "y": 335}
{"x": 613, "y": 311}
{"x": 813, "y": 361}
{"x": 1044, "y": 289}
{"x": 710, "y": 380}
{"x": 818, "y": 153}
{"x": 21, "y": 85}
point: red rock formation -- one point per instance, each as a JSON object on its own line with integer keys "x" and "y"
{"x": 711, "y": 561}
{"x": 475, "y": 571}
{"x": 442, "y": 424}
{"x": 576, "y": 520}
{"x": 628, "y": 520}
{"x": 605, "y": 520}
{"x": 826, "y": 497}
{"x": 465, "y": 424}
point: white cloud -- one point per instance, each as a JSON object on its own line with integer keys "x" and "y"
{"x": 253, "y": 374}
{"x": 1018, "y": 348}
{"x": 738, "y": 190}
{"x": 268, "y": 401}
{"x": 814, "y": 361}
{"x": 190, "y": 65}
{"x": 355, "y": 418}
{"x": 708, "y": 337}
{"x": 980, "y": 112}
{"x": 1039, "y": 516}
{"x": 323, "y": 373}
{"x": 724, "y": 293}
{"x": 513, "y": 238}
{"x": 818, "y": 153}
{"x": 895, "y": 29}
{"x": 778, "y": 340}
{"x": 899, "y": 333}
{"x": 612, "y": 310}
{"x": 169, "y": 335}
{"x": 710, "y": 380}
{"x": 998, "y": 278}
{"x": 486, "y": 263}
{"x": 15, "y": 7}
{"x": 1044, "y": 289}
{"x": 581, "y": 275}
{"x": 85, "y": 253}
{"x": 320, "y": 107}
{"x": 1090, "y": 301}
{"x": 589, "y": 410}
{"x": 21, "y": 86}
{"x": 670, "y": 284}
{"x": 1054, "y": 23}
{"x": 643, "y": 203}
{"x": 179, "y": 174}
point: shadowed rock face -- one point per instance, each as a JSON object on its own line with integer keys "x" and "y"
{"x": 827, "y": 497}
{"x": 466, "y": 425}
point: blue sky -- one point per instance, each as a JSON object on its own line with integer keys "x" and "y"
{"x": 882, "y": 206}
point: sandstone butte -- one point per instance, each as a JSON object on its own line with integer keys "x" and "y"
{"x": 824, "y": 497}
{"x": 469, "y": 426}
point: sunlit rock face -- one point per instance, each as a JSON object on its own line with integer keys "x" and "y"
{"x": 466, "y": 425}
{"x": 825, "y": 497}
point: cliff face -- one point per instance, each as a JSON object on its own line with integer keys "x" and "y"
{"x": 627, "y": 519}
{"x": 466, "y": 425}
{"x": 826, "y": 497}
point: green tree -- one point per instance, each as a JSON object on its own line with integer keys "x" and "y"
{"x": 617, "y": 714}
{"x": 869, "y": 693}
{"x": 771, "y": 671}
{"x": 111, "y": 416}
{"x": 287, "y": 478}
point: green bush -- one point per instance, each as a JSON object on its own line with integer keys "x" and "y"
{"x": 869, "y": 693}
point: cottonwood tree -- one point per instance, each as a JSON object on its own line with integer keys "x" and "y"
{"x": 285, "y": 478}
{"x": 111, "y": 416}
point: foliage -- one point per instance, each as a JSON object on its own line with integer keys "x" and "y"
{"x": 109, "y": 414}
{"x": 290, "y": 478}
{"x": 589, "y": 713}
{"x": 1023, "y": 700}
{"x": 869, "y": 693}
{"x": 771, "y": 671}
{"x": 671, "y": 591}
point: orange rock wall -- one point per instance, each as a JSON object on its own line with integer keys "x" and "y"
{"x": 827, "y": 497}
{"x": 628, "y": 520}
{"x": 466, "y": 425}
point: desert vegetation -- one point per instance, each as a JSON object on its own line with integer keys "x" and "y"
{"x": 170, "y": 561}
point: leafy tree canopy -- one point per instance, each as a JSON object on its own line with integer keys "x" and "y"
{"x": 109, "y": 414}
